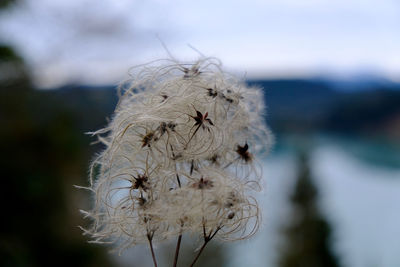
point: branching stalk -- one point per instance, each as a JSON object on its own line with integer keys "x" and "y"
{"x": 149, "y": 237}
{"x": 200, "y": 251}
{"x": 207, "y": 239}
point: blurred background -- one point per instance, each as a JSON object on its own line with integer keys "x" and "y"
{"x": 331, "y": 75}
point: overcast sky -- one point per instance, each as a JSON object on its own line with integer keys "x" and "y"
{"x": 96, "y": 41}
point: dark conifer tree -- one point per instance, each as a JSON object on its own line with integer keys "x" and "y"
{"x": 43, "y": 153}
{"x": 308, "y": 234}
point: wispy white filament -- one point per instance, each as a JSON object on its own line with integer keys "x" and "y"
{"x": 179, "y": 156}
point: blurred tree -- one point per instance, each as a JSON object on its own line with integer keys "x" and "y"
{"x": 308, "y": 234}
{"x": 5, "y": 3}
{"x": 13, "y": 73}
{"x": 43, "y": 153}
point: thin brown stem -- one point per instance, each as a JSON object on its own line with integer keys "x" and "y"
{"x": 216, "y": 231}
{"x": 200, "y": 251}
{"x": 177, "y": 175}
{"x": 195, "y": 131}
{"x": 178, "y": 246}
{"x": 179, "y": 180}
{"x": 206, "y": 240}
{"x": 152, "y": 250}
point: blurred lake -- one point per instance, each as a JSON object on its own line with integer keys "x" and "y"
{"x": 359, "y": 193}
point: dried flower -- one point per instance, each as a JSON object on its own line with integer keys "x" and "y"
{"x": 177, "y": 157}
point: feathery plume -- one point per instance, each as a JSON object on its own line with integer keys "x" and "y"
{"x": 179, "y": 157}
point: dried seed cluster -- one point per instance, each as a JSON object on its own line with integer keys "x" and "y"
{"x": 179, "y": 157}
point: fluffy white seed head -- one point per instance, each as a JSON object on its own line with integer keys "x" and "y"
{"x": 179, "y": 156}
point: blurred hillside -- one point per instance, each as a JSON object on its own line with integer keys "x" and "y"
{"x": 293, "y": 106}
{"x": 311, "y": 106}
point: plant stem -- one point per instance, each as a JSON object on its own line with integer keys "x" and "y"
{"x": 178, "y": 246}
{"x": 206, "y": 240}
{"x": 152, "y": 250}
{"x": 200, "y": 251}
{"x": 179, "y": 180}
{"x": 195, "y": 131}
